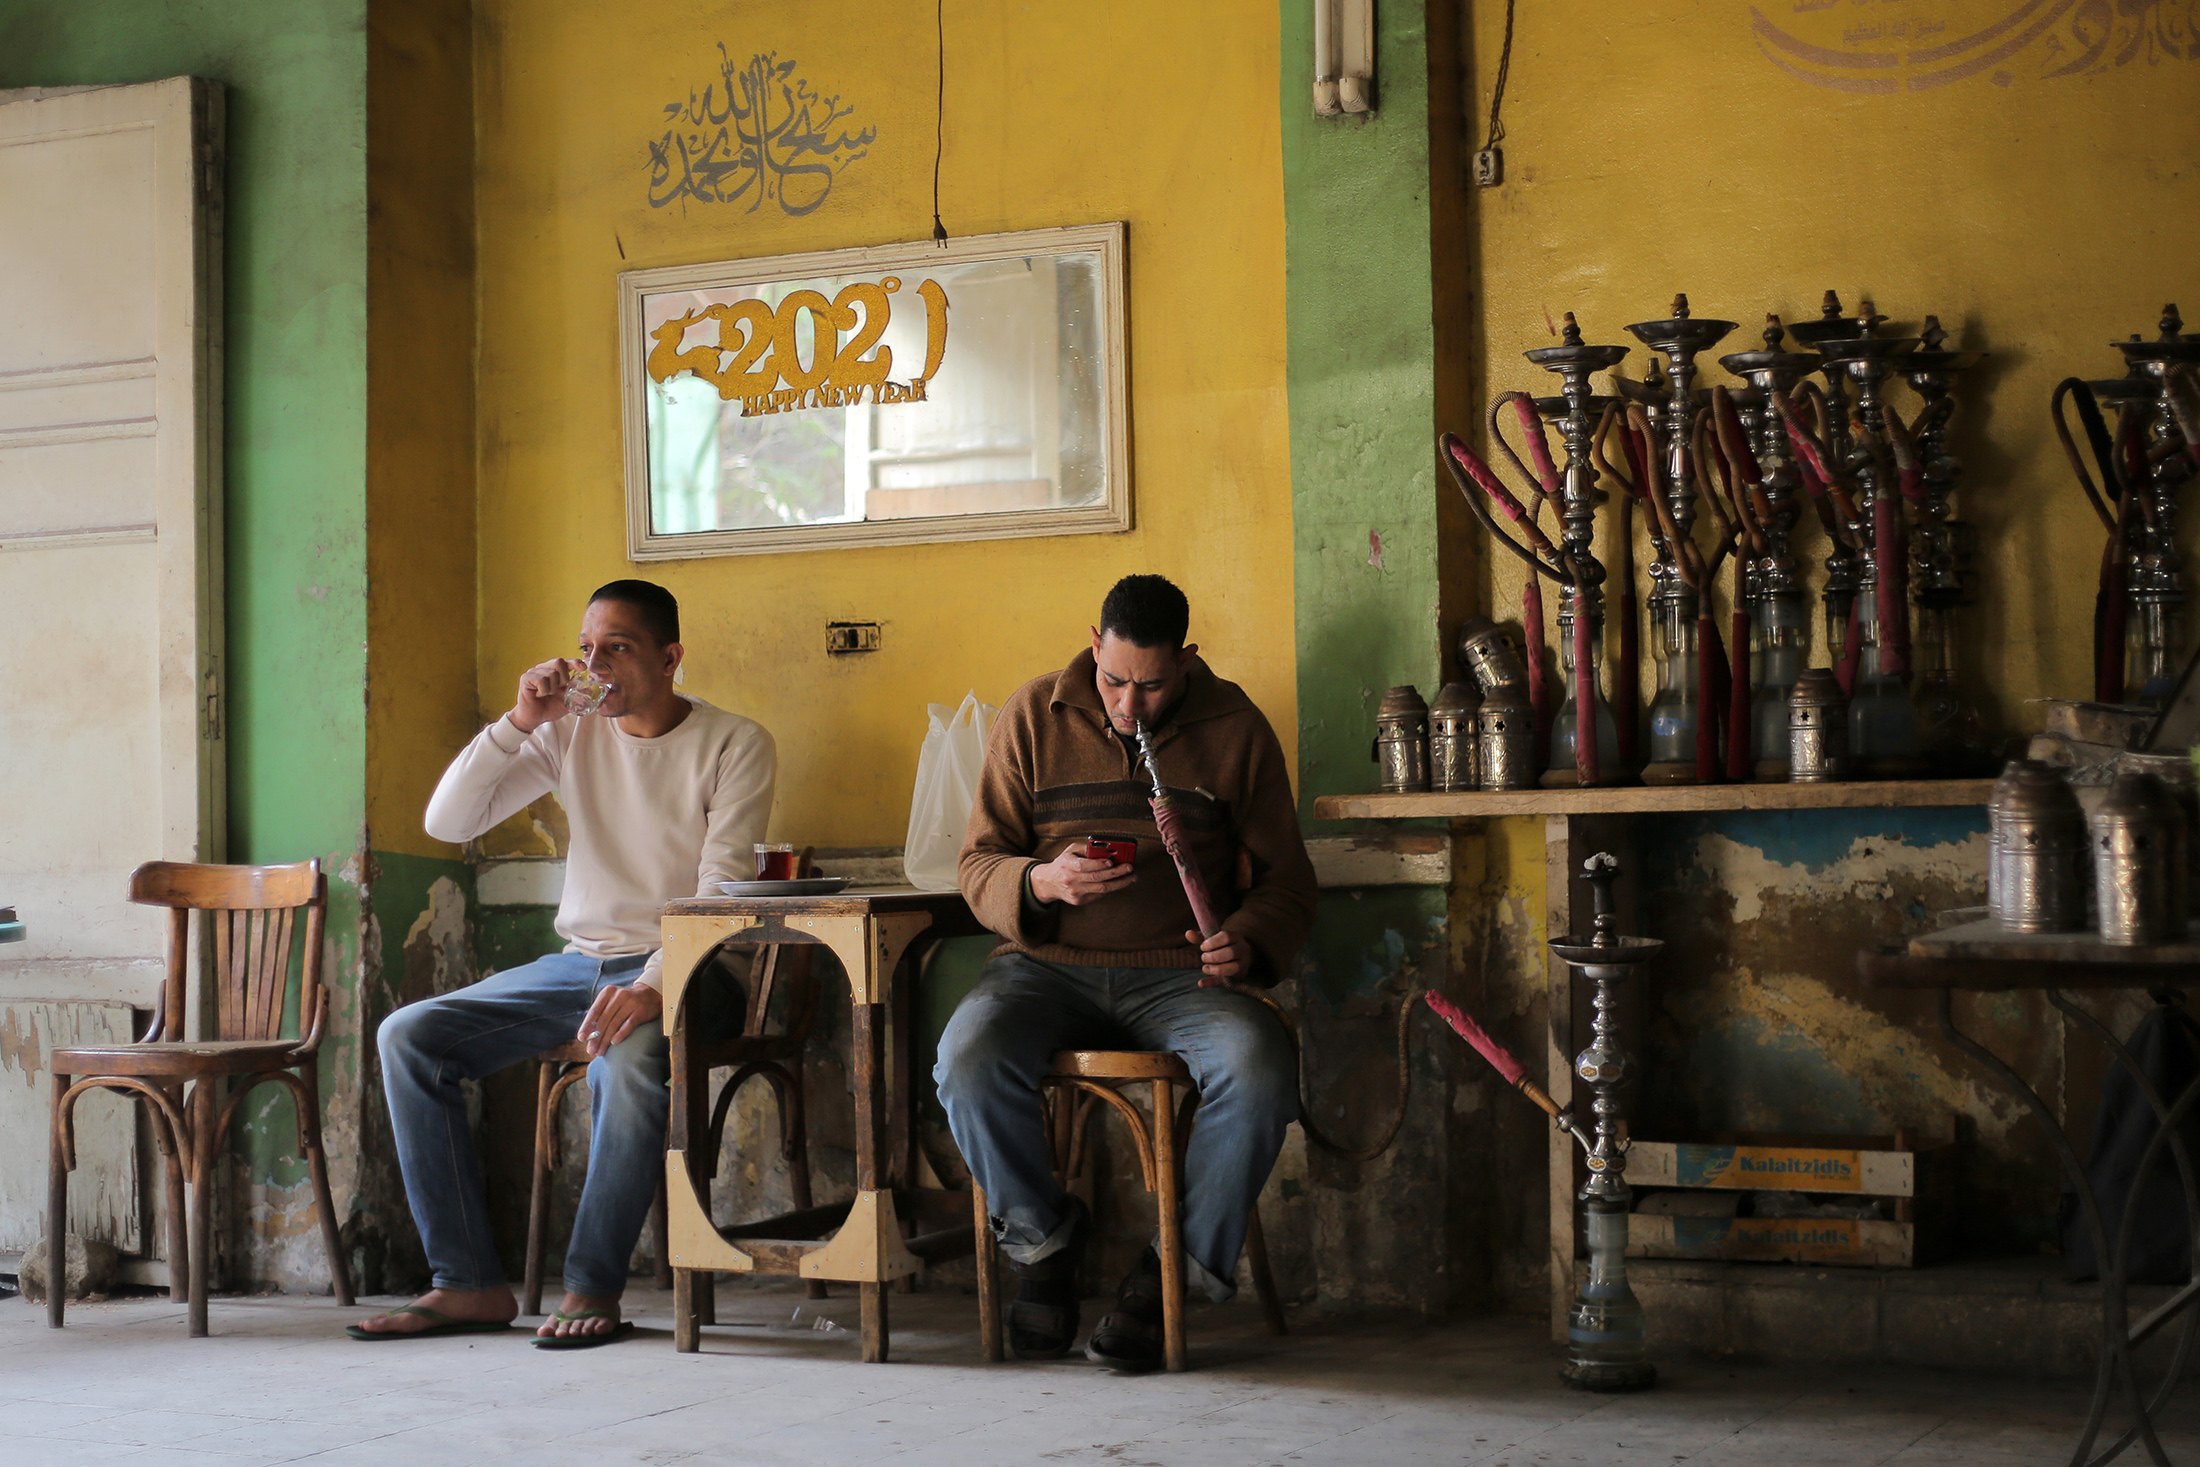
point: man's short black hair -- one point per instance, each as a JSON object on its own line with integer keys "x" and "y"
{"x": 660, "y": 612}
{"x": 1146, "y": 611}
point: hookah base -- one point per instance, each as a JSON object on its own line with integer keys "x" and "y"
{"x": 1609, "y": 1377}
{"x": 1770, "y": 771}
{"x": 1907, "y": 767}
{"x": 1671, "y": 771}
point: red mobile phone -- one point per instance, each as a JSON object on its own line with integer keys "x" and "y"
{"x": 1113, "y": 849}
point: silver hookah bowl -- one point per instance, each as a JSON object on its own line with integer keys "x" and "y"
{"x": 1606, "y": 1346}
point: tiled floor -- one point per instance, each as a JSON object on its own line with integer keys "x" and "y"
{"x": 278, "y": 1382}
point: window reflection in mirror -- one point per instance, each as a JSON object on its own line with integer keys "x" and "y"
{"x": 782, "y": 403}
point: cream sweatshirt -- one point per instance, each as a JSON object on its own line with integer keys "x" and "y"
{"x": 652, "y": 820}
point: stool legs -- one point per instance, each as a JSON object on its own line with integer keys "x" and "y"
{"x": 988, "y": 1260}
{"x": 1171, "y": 1246}
{"x": 538, "y": 1192}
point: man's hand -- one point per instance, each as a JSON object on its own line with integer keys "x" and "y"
{"x": 1223, "y": 959}
{"x": 614, "y": 1014}
{"x": 1071, "y": 878}
{"x": 541, "y": 694}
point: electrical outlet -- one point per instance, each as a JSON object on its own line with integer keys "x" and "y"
{"x": 851, "y": 636}
{"x": 1489, "y": 167}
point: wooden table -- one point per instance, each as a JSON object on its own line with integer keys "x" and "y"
{"x": 880, "y": 936}
{"x": 1578, "y": 823}
{"x": 1983, "y": 957}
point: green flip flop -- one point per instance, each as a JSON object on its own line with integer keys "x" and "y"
{"x": 439, "y": 1323}
{"x": 618, "y": 1331}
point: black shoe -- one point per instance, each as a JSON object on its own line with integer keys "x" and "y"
{"x": 1129, "y": 1337}
{"x": 1042, "y": 1318}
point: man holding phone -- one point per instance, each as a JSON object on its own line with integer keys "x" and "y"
{"x": 1099, "y": 951}
{"x": 666, "y": 796}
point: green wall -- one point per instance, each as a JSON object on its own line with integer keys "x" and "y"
{"x": 294, "y": 320}
{"x": 295, "y": 412}
{"x": 1362, "y": 364}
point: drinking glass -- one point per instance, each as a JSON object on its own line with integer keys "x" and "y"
{"x": 775, "y": 863}
{"x": 585, "y": 691}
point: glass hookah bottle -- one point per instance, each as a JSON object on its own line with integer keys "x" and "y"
{"x": 1566, "y": 723}
{"x": 1779, "y": 650}
{"x": 1947, "y": 724}
{"x": 1779, "y": 617}
{"x": 1940, "y": 570}
{"x": 2154, "y": 633}
{"x": 1883, "y": 729}
{"x": 2154, "y": 645}
{"x": 1674, "y": 706}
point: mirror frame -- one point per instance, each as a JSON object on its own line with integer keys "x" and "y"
{"x": 1112, "y": 515}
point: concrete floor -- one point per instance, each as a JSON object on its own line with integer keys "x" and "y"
{"x": 278, "y": 1382}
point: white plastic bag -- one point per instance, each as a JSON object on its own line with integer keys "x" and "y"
{"x": 947, "y": 786}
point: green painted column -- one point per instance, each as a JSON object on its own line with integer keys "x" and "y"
{"x": 1361, "y": 377}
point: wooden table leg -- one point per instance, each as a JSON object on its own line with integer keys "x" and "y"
{"x": 680, "y": 1124}
{"x": 869, "y": 1089}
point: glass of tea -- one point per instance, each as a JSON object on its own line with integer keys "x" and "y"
{"x": 585, "y": 691}
{"x": 775, "y": 863}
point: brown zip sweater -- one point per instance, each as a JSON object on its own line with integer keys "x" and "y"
{"x": 1055, "y": 773}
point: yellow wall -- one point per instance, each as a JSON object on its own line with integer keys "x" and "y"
{"x": 1653, "y": 148}
{"x": 1055, "y": 115}
{"x": 420, "y": 412}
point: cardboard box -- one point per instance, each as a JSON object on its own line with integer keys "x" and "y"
{"x": 1822, "y": 1240}
{"x": 1918, "y": 1181}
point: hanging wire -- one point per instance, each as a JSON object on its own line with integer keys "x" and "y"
{"x": 1496, "y": 130}
{"x": 939, "y": 127}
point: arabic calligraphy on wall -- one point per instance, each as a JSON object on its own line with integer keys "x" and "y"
{"x": 756, "y": 354}
{"x": 1881, "y": 46}
{"x": 758, "y": 132}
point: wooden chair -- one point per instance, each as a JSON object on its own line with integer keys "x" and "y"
{"x": 249, "y": 919}
{"x": 753, "y": 1054}
{"x": 1083, "y": 1081}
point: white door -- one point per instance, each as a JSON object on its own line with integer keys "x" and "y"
{"x": 110, "y": 589}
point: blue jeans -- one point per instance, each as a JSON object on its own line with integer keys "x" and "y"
{"x": 430, "y": 1047}
{"x": 1003, "y": 1038}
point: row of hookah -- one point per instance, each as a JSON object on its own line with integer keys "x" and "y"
{"x": 1754, "y": 453}
{"x": 2139, "y": 630}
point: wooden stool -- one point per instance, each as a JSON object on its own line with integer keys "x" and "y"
{"x": 557, "y": 1071}
{"x": 753, "y": 1054}
{"x": 1082, "y": 1082}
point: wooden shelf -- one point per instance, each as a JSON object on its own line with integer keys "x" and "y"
{"x": 1660, "y": 799}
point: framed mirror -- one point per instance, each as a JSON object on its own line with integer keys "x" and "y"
{"x": 887, "y": 396}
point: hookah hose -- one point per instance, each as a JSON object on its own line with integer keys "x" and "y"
{"x": 1531, "y": 593}
{"x": 1738, "y": 531}
{"x": 1746, "y": 488}
{"x": 1545, "y": 559}
{"x": 1627, "y": 684}
{"x": 1891, "y": 567}
{"x": 1209, "y": 923}
{"x": 1502, "y": 1060}
{"x": 1587, "y": 771}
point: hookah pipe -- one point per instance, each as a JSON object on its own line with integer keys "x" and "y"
{"x": 1505, "y": 1063}
{"x": 1743, "y": 481}
{"x": 1209, "y": 921}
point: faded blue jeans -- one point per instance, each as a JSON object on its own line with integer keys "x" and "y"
{"x": 430, "y": 1047}
{"x": 1003, "y": 1038}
